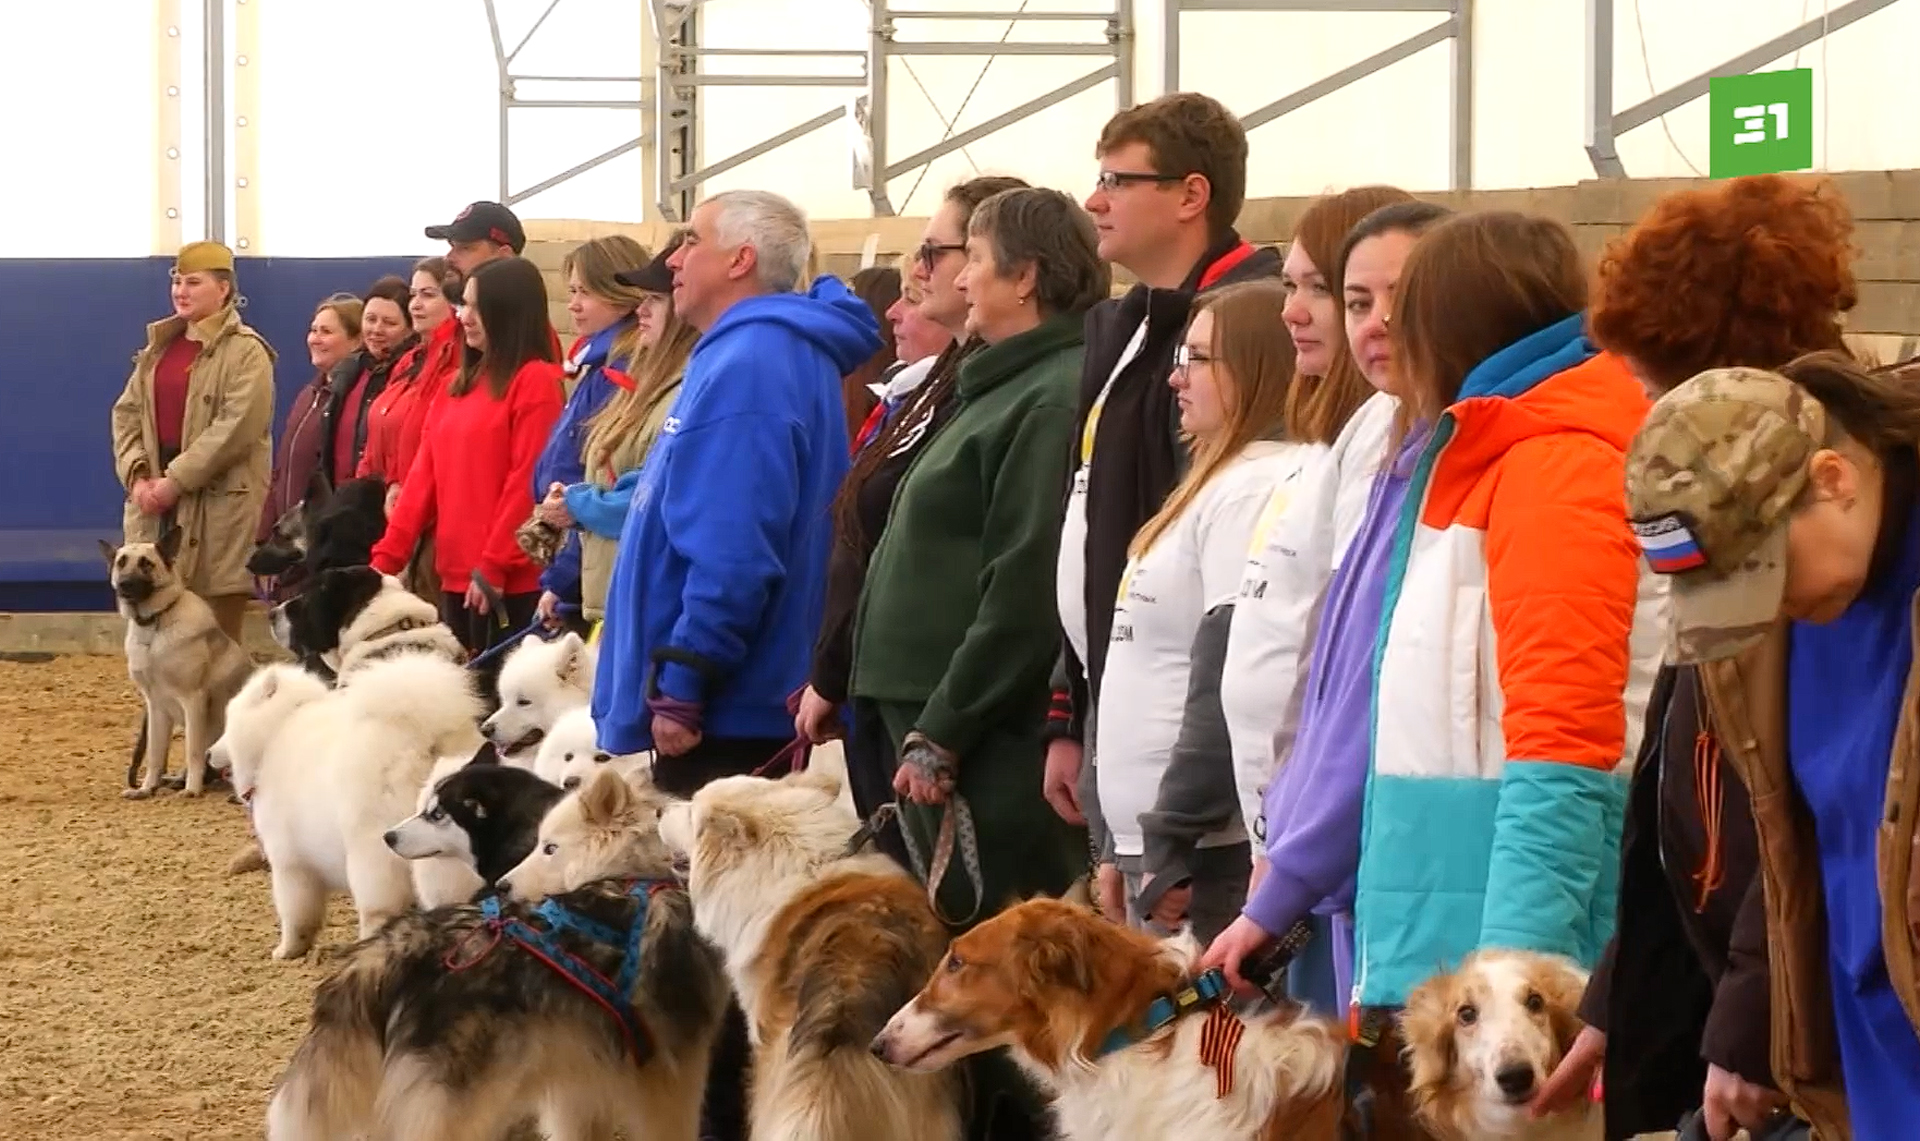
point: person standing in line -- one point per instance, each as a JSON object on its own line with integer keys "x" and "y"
{"x": 1173, "y": 176}
{"x": 472, "y": 480}
{"x": 193, "y": 432}
{"x": 333, "y": 344}
{"x": 718, "y": 581}
{"x": 386, "y": 335}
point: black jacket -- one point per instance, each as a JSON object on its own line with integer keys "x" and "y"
{"x": 1140, "y": 454}
{"x": 344, "y": 376}
{"x": 1685, "y": 980}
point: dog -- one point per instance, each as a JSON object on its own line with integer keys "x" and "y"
{"x": 539, "y": 681}
{"x": 569, "y": 753}
{"x": 349, "y": 616}
{"x": 1106, "y": 1019}
{"x": 608, "y": 827}
{"x": 185, "y": 667}
{"x": 446, "y": 1025}
{"x": 1481, "y": 1041}
{"x": 327, "y": 771}
{"x": 822, "y": 945}
{"x": 330, "y": 527}
{"x": 482, "y": 817}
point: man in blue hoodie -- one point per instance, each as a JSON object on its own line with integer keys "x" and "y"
{"x": 718, "y": 585}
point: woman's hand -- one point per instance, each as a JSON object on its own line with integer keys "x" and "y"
{"x": 1572, "y": 1080}
{"x": 1231, "y": 947}
{"x": 1110, "y": 892}
{"x": 548, "y": 610}
{"x": 553, "y": 509}
{"x": 477, "y": 599}
{"x": 672, "y": 739}
{"x": 914, "y": 781}
{"x": 1731, "y": 1103}
{"x": 393, "y": 497}
{"x": 818, "y": 721}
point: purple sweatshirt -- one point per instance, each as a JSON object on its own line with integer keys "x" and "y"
{"x": 1313, "y": 807}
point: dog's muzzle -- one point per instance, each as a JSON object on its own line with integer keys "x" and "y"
{"x": 134, "y": 589}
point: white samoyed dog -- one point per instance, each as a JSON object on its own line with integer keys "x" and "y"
{"x": 569, "y": 753}
{"x": 539, "y": 681}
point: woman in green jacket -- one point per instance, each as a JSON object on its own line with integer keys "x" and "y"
{"x": 953, "y": 640}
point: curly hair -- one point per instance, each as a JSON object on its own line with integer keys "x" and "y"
{"x": 1751, "y": 271}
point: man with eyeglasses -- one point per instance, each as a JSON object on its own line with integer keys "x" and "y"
{"x": 1173, "y": 176}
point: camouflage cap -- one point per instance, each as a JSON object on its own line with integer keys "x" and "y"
{"x": 1711, "y": 480}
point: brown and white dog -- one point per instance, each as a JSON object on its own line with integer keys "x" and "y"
{"x": 822, "y": 946}
{"x": 1070, "y": 994}
{"x": 1481, "y": 1041}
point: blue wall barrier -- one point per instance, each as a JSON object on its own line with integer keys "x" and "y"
{"x": 71, "y": 329}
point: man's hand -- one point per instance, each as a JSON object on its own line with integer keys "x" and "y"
{"x": 672, "y": 739}
{"x": 1572, "y": 1080}
{"x": 1170, "y": 910}
{"x": 1110, "y": 892}
{"x": 1231, "y": 947}
{"x": 1060, "y": 784}
{"x": 1731, "y": 1103}
{"x": 818, "y": 721}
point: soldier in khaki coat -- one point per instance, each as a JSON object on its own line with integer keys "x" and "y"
{"x": 193, "y": 432}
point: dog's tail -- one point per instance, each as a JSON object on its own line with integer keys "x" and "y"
{"x": 844, "y": 1091}
{"x": 332, "y": 1082}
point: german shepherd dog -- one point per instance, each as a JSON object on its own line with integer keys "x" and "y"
{"x": 185, "y": 666}
{"x": 447, "y": 1025}
{"x": 331, "y": 527}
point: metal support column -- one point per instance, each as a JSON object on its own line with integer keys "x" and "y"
{"x": 246, "y": 126}
{"x": 1605, "y": 125}
{"x": 1458, "y": 27}
{"x": 215, "y": 125}
{"x": 169, "y": 186}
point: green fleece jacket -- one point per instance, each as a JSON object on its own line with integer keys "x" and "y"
{"x": 958, "y": 612}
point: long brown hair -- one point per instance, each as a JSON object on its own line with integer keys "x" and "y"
{"x": 596, "y": 263}
{"x": 1880, "y": 410}
{"x": 511, "y": 298}
{"x": 1319, "y": 406}
{"x": 932, "y": 392}
{"x": 1253, "y": 367}
{"x": 1473, "y": 285}
{"x": 656, "y": 372}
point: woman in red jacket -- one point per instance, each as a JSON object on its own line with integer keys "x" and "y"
{"x": 471, "y": 480}
{"x": 399, "y": 413}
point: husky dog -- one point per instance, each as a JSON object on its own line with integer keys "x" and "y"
{"x": 184, "y": 665}
{"x": 482, "y": 817}
{"x": 822, "y": 947}
{"x": 349, "y": 616}
{"x": 331, "y": 527}
{"x": 328, "y": 771}
{"x": 539, "y": 681}
{"x": 569, "y": 754}
{"x": 445, "y": 1026}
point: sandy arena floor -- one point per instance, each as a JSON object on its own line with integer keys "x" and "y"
{"x": 137, "y": 999}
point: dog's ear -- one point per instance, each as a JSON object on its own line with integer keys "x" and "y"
{"x": 1563, "y": 986}
{"x": 573, "y": 657}
{"x": 485, "y": 755}
{"x": 820, "y": 780}
{"x": 1062, "y": 954}
{"x": 110, "y": 551}
{"x": 270, "y": 684}
{"x": 1427, "y": 1026}
{"x": 169, "y": 546}
{"x": 605, "y": 797}
{"x": 319, "y": 488}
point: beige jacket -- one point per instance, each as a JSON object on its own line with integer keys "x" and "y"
{"x": 1748, "y": 696}
{"x": 226, "y": 447}
{"x": 596, "y": 551}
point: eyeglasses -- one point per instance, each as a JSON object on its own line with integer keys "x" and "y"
{"x": 930, "y": 251}
{"x": 1184, "y": 357}
{"x": 1112, "y": 180}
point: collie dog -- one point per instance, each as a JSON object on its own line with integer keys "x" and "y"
{"x": 1481, "y": 1041}
{"x": 822, "y": 944}
{"x": 1104, "y": 1019}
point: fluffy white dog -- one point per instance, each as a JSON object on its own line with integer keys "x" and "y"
{"x": 539, "y": 681}
{"x": 569, "y": 753}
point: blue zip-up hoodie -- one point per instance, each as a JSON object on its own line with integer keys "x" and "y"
{"x": 561, "y": 462}
{"x": 721, "y": 575}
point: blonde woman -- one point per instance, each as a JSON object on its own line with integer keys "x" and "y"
{"x": 193, "y": 432}
{"x": 602, "y": 309}
{"x": 620, "y": 434}
{"x": 1231, "y": 378}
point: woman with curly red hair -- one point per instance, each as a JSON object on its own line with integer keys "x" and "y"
{"x": 1751, "y": 271}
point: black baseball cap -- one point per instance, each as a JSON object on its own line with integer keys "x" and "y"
{"x": 654, "y": 277}
{"x": 482, "y": 222}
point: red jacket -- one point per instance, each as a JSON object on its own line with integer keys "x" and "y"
{"x": 398, "y": 416}
{"x": 471, "y": 482}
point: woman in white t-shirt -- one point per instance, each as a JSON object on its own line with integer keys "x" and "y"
{"x": 1231, "y": 377}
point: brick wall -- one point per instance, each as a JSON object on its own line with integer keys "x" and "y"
{"x": 1886, "y": 207}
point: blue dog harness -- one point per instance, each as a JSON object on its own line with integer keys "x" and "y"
{"x": 612, "y": 995}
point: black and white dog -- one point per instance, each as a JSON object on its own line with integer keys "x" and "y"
{"x": 350, "y": 615}
{"x": 484, "y": 813}
{"x": 331, "y": 527}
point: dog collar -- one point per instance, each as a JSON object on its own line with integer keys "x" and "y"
{"x": 151, "y": 619}
{"x": 1208, "y": 989}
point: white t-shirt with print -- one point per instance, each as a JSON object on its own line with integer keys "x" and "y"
{"x": 1195, "y": 565}
{"x": 1070, "y": 568}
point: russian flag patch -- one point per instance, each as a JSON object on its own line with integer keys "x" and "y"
{"x": 1669, "y": 545}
